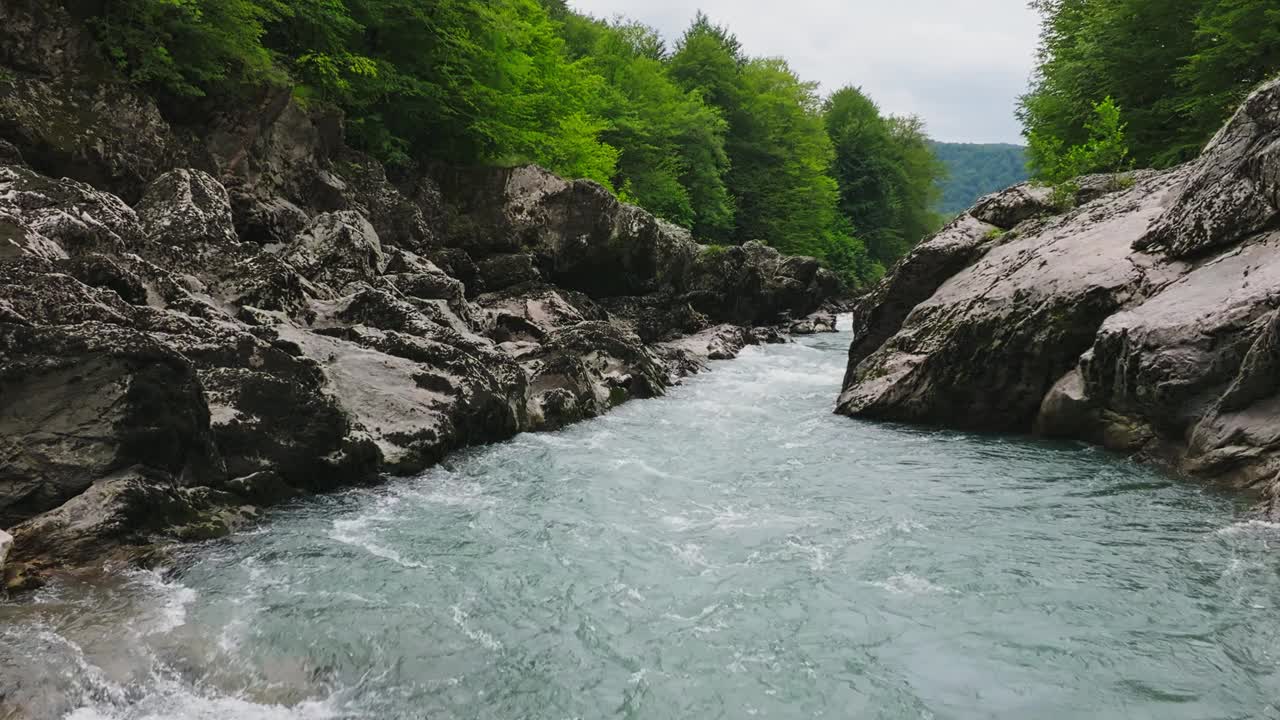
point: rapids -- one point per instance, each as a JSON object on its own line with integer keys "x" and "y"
{"x": 732, "y": 550}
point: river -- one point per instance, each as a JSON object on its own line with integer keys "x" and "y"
{"x": 732, "y": 550}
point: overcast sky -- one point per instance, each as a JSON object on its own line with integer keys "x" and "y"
{"x": 959, "y": 64}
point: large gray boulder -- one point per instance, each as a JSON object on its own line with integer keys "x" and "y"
{"x": 1144, "y": 320}
{"x": 74, "y": 215}
{"x": 82, "y": 401}
{"x": 187, "y": 209}
{"x": 1234, "y": 189}
{"x": 879, "y": 314}
{"x": 338, "y": 247}
{"x": 982, "y": 351}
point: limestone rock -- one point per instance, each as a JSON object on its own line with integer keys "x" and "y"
{"x": 1006, "y": 209}
{"x": 1233, "y": 188}
{"x": 6, "y": 545}
{"x": 187, "y": 208}
{"x": 1144, "y": 320}
{"x": 584, "y": 370}
{"x": 75, "y": 216}
{"x": 81, "y": 401}
{"x": 879, "y": 314}
{"x": 961, "y": 356}
{"x": 337, "y": 247}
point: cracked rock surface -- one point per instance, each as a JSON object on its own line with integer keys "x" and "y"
{"x": 192, "y": 329}
{"x": 1143, "y": 320}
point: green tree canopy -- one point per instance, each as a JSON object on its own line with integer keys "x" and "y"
{"x": 1177, "y": 68}
{"x": 733, "y": 147}
{"x": 887, "y": 174}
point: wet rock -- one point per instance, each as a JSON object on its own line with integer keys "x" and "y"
{"x": 1238, "y": 440}
{"x": 690, "y": 355}
{"x": 584, "y": 370}
{"x": 814, "y": 324}
{"x": 415, "y": 398}
{"x": 84, "y": 400}
{"x": 273, "y": 411}
{"x": 127, "y": 507}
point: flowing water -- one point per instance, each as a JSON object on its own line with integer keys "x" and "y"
{"x": 730, "y": 551}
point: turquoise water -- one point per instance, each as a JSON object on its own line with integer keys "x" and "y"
{"x": 730, "y": 551}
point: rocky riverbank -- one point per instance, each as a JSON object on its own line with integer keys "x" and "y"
{"x": 199, "y": 319}
{"x": 1145, "y": 319}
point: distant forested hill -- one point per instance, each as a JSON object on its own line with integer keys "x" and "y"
{"x": 975, "y": 170}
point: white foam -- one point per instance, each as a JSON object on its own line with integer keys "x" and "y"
{"x": 354, "y": 533}
{"x": 1250, "y": 527}
{"x": 690, "y": 554}
{"x": 174, "y": 601}
{"x": 460, "y": 619}
{"x": 910, "y": 584}
{"x": 175, "y": 703}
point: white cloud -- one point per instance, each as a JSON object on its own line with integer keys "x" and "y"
{"x": 959, "y": 64}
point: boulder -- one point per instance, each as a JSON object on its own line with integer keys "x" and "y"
{"x": 131, "y": 506}
{"x": 961, "y": 356}
{"x": 585, "y": 370}
{"x": 1234, "y": 185}
{"x": 73, "y": 215}
{"x": 499, "y": 272}
{"x": 1007, "y": 209}
{"x": 754, "y": 284}
{"x": 6, "y": 546}
{"x": 265, "y": 219}
{"x": 82, "y": 401}
{"x": 878, "y": 315}
{"x": 816, "y": 323}
{"x": 337, "y": 248}
{"x": 187, "y": 209}
{"x": 692, "y": 354}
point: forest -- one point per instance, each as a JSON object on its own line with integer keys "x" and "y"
{"x": 1141, "y": 83}
{"x": 699, "y": 131}
{"x": 974, "y": 170}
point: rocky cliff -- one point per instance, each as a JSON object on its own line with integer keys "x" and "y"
{"x": 1144, "y": 319}
{"x": 198, "y": 319}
